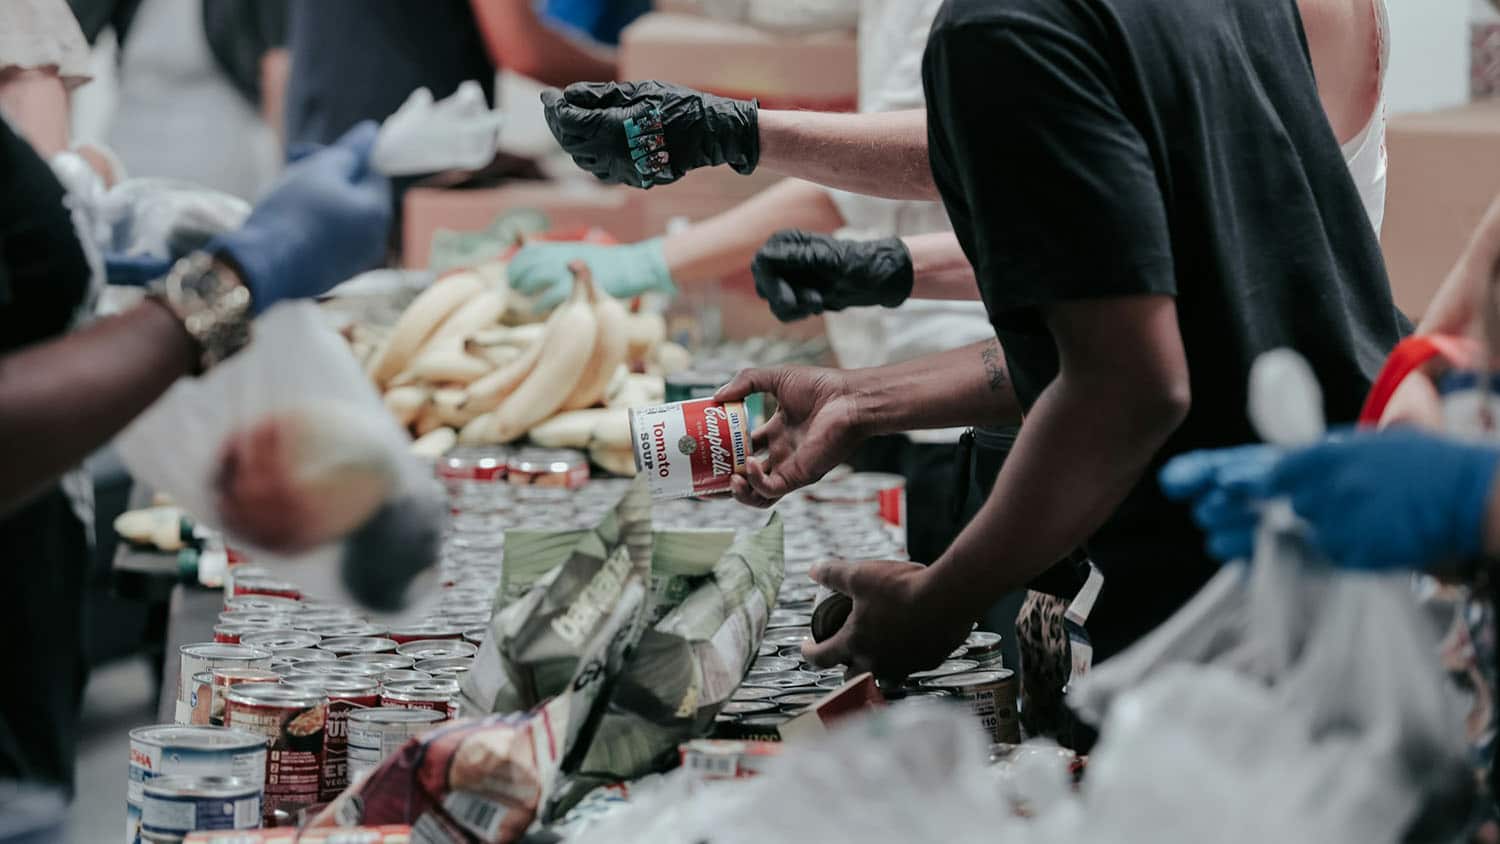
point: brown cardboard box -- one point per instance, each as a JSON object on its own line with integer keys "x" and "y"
{"x": 1445, "y": 170}
{"x": 615, "y": 209}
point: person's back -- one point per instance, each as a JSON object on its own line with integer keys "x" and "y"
{"x": 1150, "y": 147}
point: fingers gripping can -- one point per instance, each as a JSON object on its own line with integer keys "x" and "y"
{"x": 691, "y": 448}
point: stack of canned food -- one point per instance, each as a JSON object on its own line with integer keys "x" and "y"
{"x": 295, "y": 698}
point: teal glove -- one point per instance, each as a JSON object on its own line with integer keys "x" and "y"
{"x": 541, "y": 269}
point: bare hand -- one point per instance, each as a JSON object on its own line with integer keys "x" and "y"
{"x": 816, "y": 427}
{"x": 897, "y": 625}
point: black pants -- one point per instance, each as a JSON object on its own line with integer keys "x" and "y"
{"x": 43, "y": 565}
{"x": 931, "y": 472}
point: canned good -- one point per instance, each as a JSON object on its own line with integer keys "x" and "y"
{"x": 438, "y": 694}
{"x": 230, "y": 634}
{"x": 346, "y": 645}
{"x": 344, "y": 630}
{"x": 690, "y": 448}
{"x": 384, "y": 662}
{"x": 947, "y": 669}
{"x": 992, "y": 697}
{"x": 775, "y": 663}
{"x": 209, "y": 686}
{"x": 308, "y": 619}
{"x": 307, "y": 655}
{"x": 793, "y": 652}
{"x": 376, "y": 733}
{"x": 787, "y": 618}
{"x": 984, "y": 648}
{"x": 192, "y": 751}
{"x": 476, "y": 635}
{"x": 204, "y": 656}
{"x": 766, "y": 650}
{"x": 450, "y": 667}
{"x": 784, "y": 637}
{"x": 474, "y": 464}
{"x": 339, "y": 670}
{"x": 260, "y": 603}
{"x": 425, "y": 649}
{"x": 267, "y": 587}
{"x": 794, "y": 702}
{"x": 277, "y": 641}
{"x": 754, "y": 693}
{"x": 781, "y": 679}
{"x": 293, "y": 721}
{"x": 200, "y": 700}
{"x": 256, "y": 618}
{"x": 403, "y": 675}
{"x": 741, "y": 708}
{"x": 344, "y": 696}
{"x": 420, "y": 632}
{"x": 174, "y": 806}
{"x": 559, "y": 468}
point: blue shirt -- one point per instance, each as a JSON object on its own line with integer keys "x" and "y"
{"x": 601, "y": 20}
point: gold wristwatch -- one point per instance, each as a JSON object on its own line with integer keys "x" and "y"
{"x": 212, "y": 303}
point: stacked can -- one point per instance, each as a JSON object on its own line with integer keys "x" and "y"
{"x": 172, "y": 751}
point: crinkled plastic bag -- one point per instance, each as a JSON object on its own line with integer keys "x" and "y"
{"x": 458, "y": 132}
{"x": 296, "y": 364}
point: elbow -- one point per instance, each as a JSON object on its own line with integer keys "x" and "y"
{"x": 1164, "y": 406}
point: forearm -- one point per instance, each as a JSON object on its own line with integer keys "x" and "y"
{"x": 874, "y": 154}
{"x": 62, "y": 400}
{"x": 965, "y": 386}
{"x": 36, "y": 103}
{"x": 519, "y": 40}
{"x": 1460, "y": 298}
{"x": 726, "y": 243}
{"x": 940, "y": 268}
{"x": 1070, "y": 469}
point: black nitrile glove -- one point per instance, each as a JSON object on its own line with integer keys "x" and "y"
{"x": 651, "y": 133}
{"x": 801, "y": 273}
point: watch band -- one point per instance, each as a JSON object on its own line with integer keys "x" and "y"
{"x": 214, "y": 306}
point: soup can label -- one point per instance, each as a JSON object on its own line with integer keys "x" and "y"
{"x": 176, "y": 806}
{"x": 293, "y": 722}
{"x": 691, "y": 448}
{"x": 169, "y": 750}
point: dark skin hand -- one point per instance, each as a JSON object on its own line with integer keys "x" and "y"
{"x": 1087, "y": 441}
{"x": 63, "y": 399}
{"x": 826, "y": 413}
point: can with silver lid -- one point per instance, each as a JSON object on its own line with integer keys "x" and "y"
{"x": 345, "y": 695}
{"x": 384, "y": 662}
{"x": 340, "y": 670}
{"x": 784, "y": 637}
{"x": 476, "y": 635}
{"x": 787, "y": 618}
{"x": 277, "y": 641}
{"x": 174, "y": 806}
{"x": 983, "y": 647}
{"x": 425, "y": 649}
{"x": 260, "y": 603}
{"x": 775, "y": 663}
{"x": 946, "y": 669}
{"x": 691, "y": 448}
{"x": 346, "y": 645}
{"x": 438, "y": 694}
{"x": 267, "y": 587}
{"x": 485, "y": 464}
{"x": 209, "y": 687}
{"x": 206, "y": 656}
{"x": 377, "y": 733}
{"x": 293, "y": 721}
{"x": 991, "y": 695}
{"x": 402, "y": 675}
{"x": 781, "y": 679}
{"x": 192, "y": 751}
{"x": 754, "y": 693}
{"x": 343, "y": 629}
{"x": 424, "y": 631}
{"x": 794, "y": 702}
{"x": 450, "y": 667}
{"x": 742, "y": 708}
{"x": 561, "y": 468}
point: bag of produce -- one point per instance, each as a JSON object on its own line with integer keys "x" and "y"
{"x": 710, "y": 595}
{"x": 288, "y": 449}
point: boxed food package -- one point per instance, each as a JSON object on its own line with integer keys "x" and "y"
{"x": 1444, "y": 173}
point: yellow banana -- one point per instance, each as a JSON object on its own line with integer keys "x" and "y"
{"x": 566, "y": 349}
{"x": 609, "y": 349}
{"x": 419, "y": 321}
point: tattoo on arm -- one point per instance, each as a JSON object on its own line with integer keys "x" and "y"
{"x": 994, "y": 366}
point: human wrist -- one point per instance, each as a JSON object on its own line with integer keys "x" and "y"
{"x": 654, "y": 265}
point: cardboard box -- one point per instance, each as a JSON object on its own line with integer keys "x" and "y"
{"x": 1444, "y": 172}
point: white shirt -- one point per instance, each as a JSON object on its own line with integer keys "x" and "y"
{"x": 892, "y": 40}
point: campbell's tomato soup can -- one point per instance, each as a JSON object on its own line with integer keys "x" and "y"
{"x": 339, "y": 669}
{"x": 293, "y": 721}
{"x": 280, "y": 641}
{"x": 381, "y": 662}
{"x": 345, "y": 695}
{"x": 438, "y": 694}
{"x": 266, "y": 587}
{"x": 690, "y": 448}
{"x": 425, "y": 649}
{"x": 191, "y": 751}
{"x": 344, "y": 630}
{"x": 344, "y": 646}
{"x": 426, "y": 630}
{"x": 230, "y": 634}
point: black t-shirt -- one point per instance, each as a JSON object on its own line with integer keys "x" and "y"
{"x": 1101, "y": 148}
{"x": 356, "y": 60}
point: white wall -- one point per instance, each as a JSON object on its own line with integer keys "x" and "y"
{"x": 1429, "y": 53}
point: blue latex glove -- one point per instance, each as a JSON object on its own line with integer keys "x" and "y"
{"x": 1227, "y": 487}
{"x": 541, "y": 269}
{"x": 1396, "y": 500}
{"x": 134, "y": 270}
{"x": 325, "y": 220}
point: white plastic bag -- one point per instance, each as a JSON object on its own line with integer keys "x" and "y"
{"x": 459, "y": 132}
{"x": 296, "y": 364}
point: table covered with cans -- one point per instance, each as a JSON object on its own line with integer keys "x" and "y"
{"x": 288, "y": 698}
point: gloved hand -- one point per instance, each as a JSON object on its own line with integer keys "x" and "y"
{"x": 1396, "y": 500}
{"x": 651, "y": 133}
{"x": 134, "y": 270}
{"x": 802, "y": 273}
{"x": 326, "y": 220}
{"x": 621, "y": 271}
{"x": 1227, "y": 487}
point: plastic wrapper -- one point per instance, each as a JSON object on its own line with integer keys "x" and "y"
{"x": 167, "y": 218}
{"x": 458, "y": 132}
{"x": 710, "y": 599}
{"x": 361, "y": 517}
